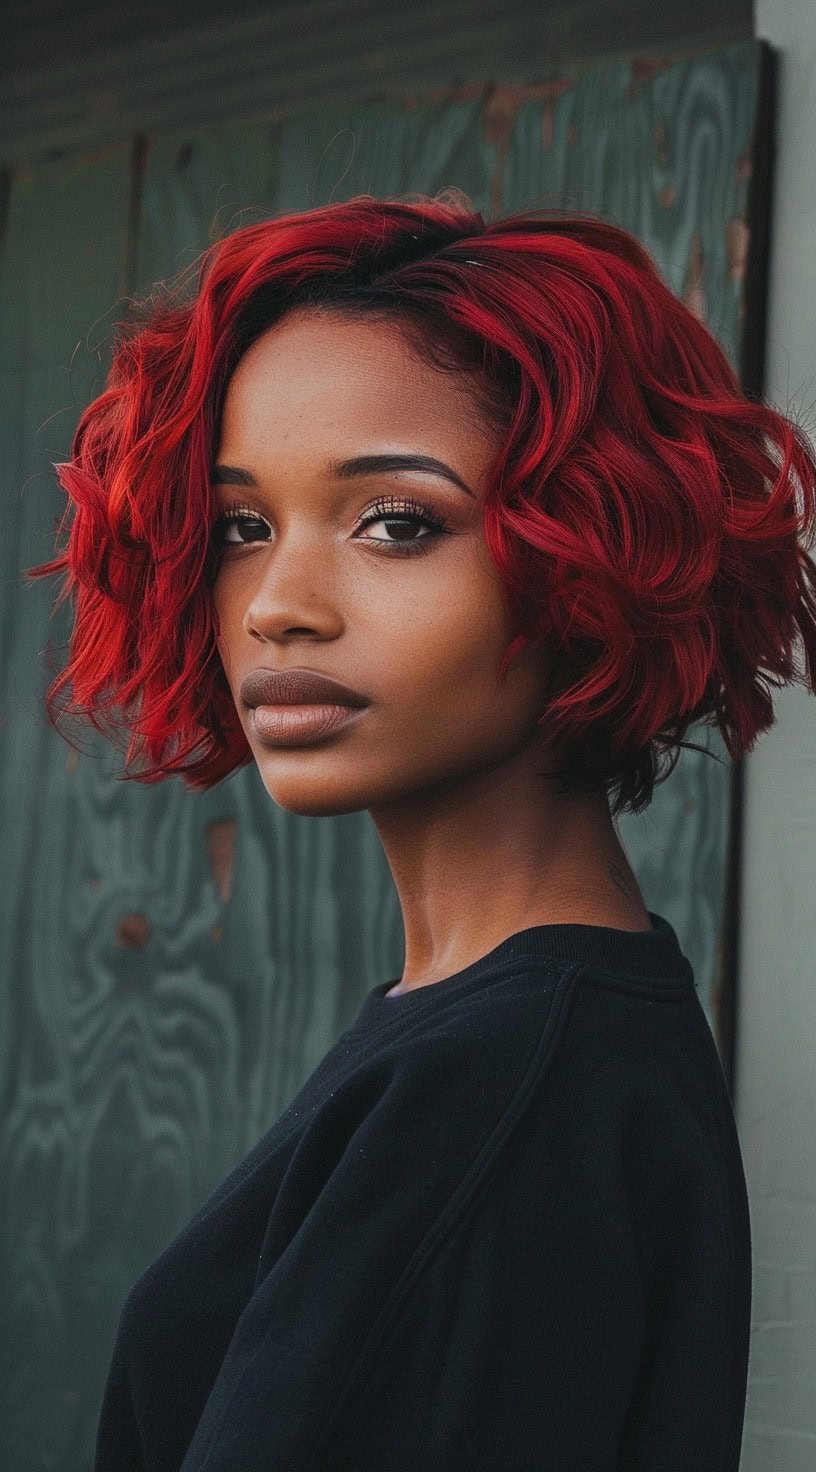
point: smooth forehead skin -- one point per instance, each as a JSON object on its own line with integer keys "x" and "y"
{"x": 323, "y": 377}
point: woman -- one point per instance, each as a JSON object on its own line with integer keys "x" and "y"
{"x": 497, "y": 483}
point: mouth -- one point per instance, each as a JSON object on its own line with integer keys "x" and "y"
{"x": 297, "y": 686}
{"x": 302, "y": 725}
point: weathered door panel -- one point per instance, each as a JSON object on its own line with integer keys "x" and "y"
{"x": 173, "y": 966}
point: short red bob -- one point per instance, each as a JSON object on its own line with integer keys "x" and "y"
{"x": 643, "y": 514}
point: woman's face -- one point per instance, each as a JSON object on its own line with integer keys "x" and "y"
{"x": 304, "y": 584}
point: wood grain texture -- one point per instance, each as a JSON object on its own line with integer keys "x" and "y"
{"x": 62, "y": 260}
{"x": 79, "y": 76}
{"x": 174, "y": 966}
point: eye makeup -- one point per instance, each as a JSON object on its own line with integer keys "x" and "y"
{"x": 396, "y": 511}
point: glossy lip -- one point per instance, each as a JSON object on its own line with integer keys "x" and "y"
{"x": 297, "y": 686}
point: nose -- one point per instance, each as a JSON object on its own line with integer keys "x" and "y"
{"x": 297, "y": 592}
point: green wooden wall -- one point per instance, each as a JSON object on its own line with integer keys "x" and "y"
{"x": 173, "y": 966}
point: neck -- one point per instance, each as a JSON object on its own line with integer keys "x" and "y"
{"x": 478, "y": 859}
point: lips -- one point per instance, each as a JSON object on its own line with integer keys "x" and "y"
{"x": 296, "y": 687}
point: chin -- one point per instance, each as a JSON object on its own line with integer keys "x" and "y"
{"x": 313, "y": 800}
{"x": 321, "y": 795}
{"x": 318, "y": 809}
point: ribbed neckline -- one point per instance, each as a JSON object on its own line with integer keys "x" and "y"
{"x": 652, "y": 956}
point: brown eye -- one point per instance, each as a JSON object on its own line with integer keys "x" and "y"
{"x": 404, "y": 515}
{"x": 238, "y": 515}
{"x": 400, "y": 516}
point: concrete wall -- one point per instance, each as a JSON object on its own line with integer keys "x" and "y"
{"x": 775, "y": 1083}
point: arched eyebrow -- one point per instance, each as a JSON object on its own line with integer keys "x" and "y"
{"x": 375, "y": 464}
{"x": 232, "y": 475}
{"x": 358, "y": 465}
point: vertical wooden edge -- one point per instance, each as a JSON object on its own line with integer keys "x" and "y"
{"x": 752, "y": 378}
{"x": 729, "y": 973}
{"x": 758, "y": 218}
{"x": 139, "y": 157}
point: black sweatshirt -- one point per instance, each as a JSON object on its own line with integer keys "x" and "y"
{"x": 503, "y": 1227}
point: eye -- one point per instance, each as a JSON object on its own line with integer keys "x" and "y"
{"x": 234, "y": 513}
{"x": 403, "y": 514}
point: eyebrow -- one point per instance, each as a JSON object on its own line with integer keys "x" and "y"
{"x": 358, "y": 465}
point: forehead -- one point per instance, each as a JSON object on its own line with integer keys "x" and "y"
{"x": 322, "y": 373}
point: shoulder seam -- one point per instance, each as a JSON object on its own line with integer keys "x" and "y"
{"x": 674, "y": 989}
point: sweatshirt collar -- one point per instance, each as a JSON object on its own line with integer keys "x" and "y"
{"x": 640, "y": 955}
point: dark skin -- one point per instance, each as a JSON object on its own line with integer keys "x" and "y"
{"x": 445, "y": 758}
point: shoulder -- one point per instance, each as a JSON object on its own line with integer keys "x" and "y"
{"x": 633, "y": 1124}
{"x": 608, "y": 1096}
{"x": 640, "y": 1060}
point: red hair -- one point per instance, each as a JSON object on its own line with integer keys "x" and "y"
{"x": 642, "y": 513}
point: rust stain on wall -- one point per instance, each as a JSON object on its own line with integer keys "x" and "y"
{"x": 501, "y": 106}
{"x": 737, "y": 242}
{"x": 694, "y": 295}
{"x": 644, "y": 69}
{"x": 737, "y": 247}
{"x": 435, "y": 96}
{"x": 221, "y": 854}
{"x": 133, "y": 931}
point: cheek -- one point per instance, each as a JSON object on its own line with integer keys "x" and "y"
{"x": 448, "y": 652}
{"x": 448, "y": 642}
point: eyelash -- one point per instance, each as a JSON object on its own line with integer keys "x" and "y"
{"x": 387, "y": 508}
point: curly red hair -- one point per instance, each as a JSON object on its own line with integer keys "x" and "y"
{"x": 643, "y": 514}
